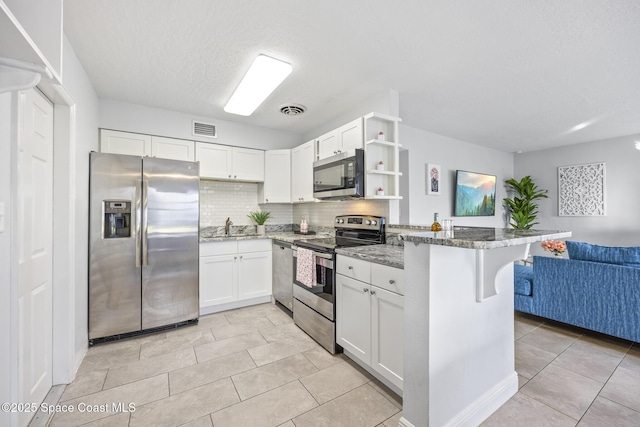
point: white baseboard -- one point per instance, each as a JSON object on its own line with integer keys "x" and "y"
{"x": 489, "y": 402}
{"x": 478, "y": 411}
{"x": 404, "y": 423}
{"x": 236, "y": 304}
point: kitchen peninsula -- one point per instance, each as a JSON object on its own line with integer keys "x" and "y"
{"x": 458, "y": 323}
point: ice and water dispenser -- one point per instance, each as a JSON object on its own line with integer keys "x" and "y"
{"x": 117, "y": 219}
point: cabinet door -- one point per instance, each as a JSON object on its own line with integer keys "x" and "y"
{"x": 277, "y": 176}
{"x": 248, "y": 164}
{"x": 328, "y": 144}
{"x": 387, "y": 313}
{"x": 353, "y": 317}
{"x": 169, "y": 148}
{"x": 351, "y": 135}
{"x": 218, "y": 280}
{"x": 215, "y": 160}
{"x": 302, "y": 172}
{"x": 254, "y": 275}
{"x": 133, "y": 144}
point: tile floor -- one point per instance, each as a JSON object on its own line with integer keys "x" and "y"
{"x": 571, "y": 377}
{"x": 253, "y": 367}
{"x": 247, "y": 367}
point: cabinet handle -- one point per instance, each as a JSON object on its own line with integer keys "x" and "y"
{"x": 229, "y": 176}
{"x": 373, "y": 292}
{"x": 365, "y": 290}
{"x": 240, "y": 256}
{"x": 335, "y": 152}
{"x": 266, "y": 200}
{"x": 235, "y": 257}
{"x": 392, "y": 281}
{"x": 235, "y": 176}
{"x": 350, "y": 268}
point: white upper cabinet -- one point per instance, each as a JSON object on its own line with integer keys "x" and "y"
{"x": 346, "y": 137}
{"x": 302, "y": 158}
{"x": 116, "y": 142}
{"x": 230, "y": 163}
{"x": 215, "y": 160}
{"x": 248, "y": 164}
{"x": 277, "y": 177}
{"x": 170, "y": 148}
{"x": 328, "y": 144}
{"x": 31, "y": 31}
{"x": 351, "y": 135}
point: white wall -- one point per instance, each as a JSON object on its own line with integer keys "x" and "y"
{"x": 451, "y": 154}
{"x": 156, "y": 121}
{"x": 621, "y": 225}
{"x": 86, "y": 108}
{"x": 386, "y": 102}
{"x": 5, "y": 253}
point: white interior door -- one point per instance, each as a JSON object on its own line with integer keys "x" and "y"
{"x": 35, "y": 198}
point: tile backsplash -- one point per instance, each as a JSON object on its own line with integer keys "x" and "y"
{"x": 323, "y": 214}
{"x": 222, "y": 199}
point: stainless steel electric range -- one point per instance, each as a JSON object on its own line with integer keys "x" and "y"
{"x": 314, "y": 306}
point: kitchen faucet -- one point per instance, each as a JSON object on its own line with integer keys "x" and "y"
{"x": 227, "y": 226}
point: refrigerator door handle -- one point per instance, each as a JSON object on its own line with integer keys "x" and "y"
{"x": 138, "y": 221}
{"x": 145, "y": 201}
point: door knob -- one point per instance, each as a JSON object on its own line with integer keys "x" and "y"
{"x": 365, "y": 290}
{"x": 350, "y": 268}
{"x": 392, "y": 281}
{"x": 373, "y": 292}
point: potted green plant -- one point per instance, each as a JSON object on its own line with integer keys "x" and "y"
{"x": 523, "y": 208}
{"x": 259, "y": 217}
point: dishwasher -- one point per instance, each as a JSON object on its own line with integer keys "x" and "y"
{"x": 283, "y": 274}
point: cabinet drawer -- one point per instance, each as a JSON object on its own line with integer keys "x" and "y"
{"x": 389, "y": 278}
{"x": 354, "y": 268}
{"x": 254, "y": 245}
{"x": 219, "y": 248}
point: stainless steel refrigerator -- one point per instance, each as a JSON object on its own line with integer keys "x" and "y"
{"x": 143, "y": 244}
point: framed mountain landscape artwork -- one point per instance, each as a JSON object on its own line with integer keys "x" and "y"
{"x": 475, "y": 194}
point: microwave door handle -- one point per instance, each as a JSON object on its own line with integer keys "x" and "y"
{"x": 138, "y": 218}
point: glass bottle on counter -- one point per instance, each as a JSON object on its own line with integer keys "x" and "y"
{"x": 436, "y": 225}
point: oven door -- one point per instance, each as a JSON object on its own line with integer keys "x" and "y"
{"x": 340, "y": 176}
{"x": 321, "y": 296}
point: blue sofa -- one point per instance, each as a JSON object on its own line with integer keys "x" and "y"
{"x": 592, "y": 294}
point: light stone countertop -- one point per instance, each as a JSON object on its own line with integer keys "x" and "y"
{"x": 286, "y": 236}
{"x": 390, "y": 255}
{"x": 483, "y": 238}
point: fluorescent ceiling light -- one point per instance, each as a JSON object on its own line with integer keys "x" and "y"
{"x": 264, "y": 75}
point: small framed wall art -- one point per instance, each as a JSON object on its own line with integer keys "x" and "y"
{"x": 433, "y": 179}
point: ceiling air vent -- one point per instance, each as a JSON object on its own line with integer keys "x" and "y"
{"x": 204, "y": 129}
{"x": 292, "y": 109}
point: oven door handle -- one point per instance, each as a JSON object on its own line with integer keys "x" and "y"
{"x": 317, "y": 254}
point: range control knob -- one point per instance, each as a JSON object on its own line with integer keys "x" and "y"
{"x": 337, "y": 221}
{"x": 341, "y": 220}
{"x": 374, "y": 222}
{"x": 367, "y": 222}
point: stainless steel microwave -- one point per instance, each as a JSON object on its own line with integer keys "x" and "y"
{"x": 339, "y": 177}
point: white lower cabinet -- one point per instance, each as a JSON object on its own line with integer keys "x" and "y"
{"x": 369, "y": 319}
{"x": 234, "y": 274}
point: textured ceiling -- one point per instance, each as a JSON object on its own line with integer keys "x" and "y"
{"x": 512, "y": 75}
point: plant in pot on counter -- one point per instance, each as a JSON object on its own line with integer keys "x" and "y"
{"x": 259, "y": 217}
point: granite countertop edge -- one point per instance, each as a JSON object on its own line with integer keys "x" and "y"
{"x": 287, "y": 237}
{"x": 461, "y": 240}
{"x": 389, "y": 255}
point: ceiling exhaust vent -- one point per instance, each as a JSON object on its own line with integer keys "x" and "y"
{"x": 292, "y": 109}
{"x": 204, "y": 129}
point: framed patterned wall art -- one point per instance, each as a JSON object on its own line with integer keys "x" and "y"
{"x": 582, "y": 190}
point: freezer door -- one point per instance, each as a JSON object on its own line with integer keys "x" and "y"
{"x": 114, "y": 278}
{"x": 171, "y": 212}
